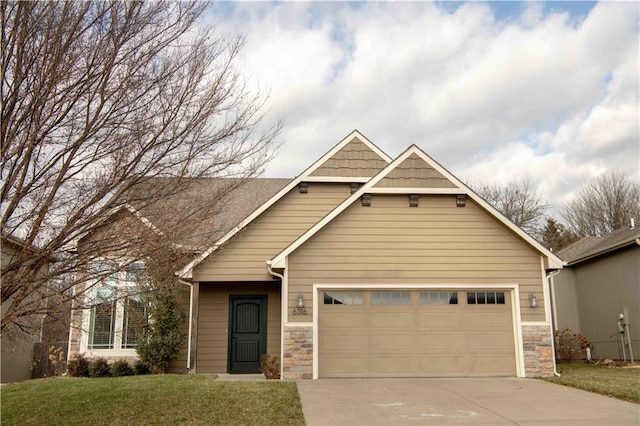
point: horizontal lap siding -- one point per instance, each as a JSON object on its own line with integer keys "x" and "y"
{"x": 435, "y": 243}
{"x": 243, "y": 258}
{"x": 213, "y": 322}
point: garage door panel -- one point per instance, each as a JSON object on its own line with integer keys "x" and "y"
{"x": 440, "y": 341}
{"x": 340, "y": 319}
{"x": 393, "y": 365}
{"x": 350, "y": 342}
{"x": 417, "y": 339}
{"x": 489, "y": 342}
{"x": 392, "y": 319}
{"x": 439, "y": 318}
{"x": 394, "y": 341}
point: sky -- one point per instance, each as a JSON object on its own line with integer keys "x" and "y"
{"x": 494, "y": 91}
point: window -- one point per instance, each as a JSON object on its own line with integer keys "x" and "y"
{"x": 390, "y": 298}
{"x": 118, "y": 314}
{"x": 343, "y": 298}
{"x": 439, "y": 298}
{"x": 485, "y": 298}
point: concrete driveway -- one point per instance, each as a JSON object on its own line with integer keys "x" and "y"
{"x": 491, "y": 401}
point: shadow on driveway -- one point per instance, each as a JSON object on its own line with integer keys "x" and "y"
{"x": 486, "y": 401}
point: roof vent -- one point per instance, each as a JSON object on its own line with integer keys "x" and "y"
{"x": 632, "y": 225}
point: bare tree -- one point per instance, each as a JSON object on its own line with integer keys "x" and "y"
{"x": 100, "y": 99}
{"x": 603, "y": 205}
{"x": 517, "y": 201}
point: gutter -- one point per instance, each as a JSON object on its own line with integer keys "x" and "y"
{"x": 283, "y": 312}
{"x": 190, "y": 321}
{"x": 552, "y": 296}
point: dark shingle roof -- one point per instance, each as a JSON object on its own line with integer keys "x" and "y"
{"x": 197, "y": 215}
{"x": 590, "y": 247}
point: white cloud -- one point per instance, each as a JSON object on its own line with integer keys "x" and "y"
{"x": 547, "y": 96}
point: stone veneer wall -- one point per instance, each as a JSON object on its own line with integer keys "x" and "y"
{"x": 538, "y": 351}
{"x": 297, "y": 360}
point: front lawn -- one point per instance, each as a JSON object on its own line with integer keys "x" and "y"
{"x": 622, "y": 383}
{"x": 155, "y": 399}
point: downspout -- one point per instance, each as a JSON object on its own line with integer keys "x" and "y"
{"x": 550, "y": 276}
{"x": 283, "y": 313}
{"x": 190, "y": 321}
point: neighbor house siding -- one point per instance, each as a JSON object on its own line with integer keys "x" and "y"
{"x": 213, "y": 322}
{"x": 243, "y": 258}
{"x": 435, "y": 243}
{"x": 604, "y": 287}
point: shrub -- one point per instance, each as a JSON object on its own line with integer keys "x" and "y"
{"x": 78, "y": 366}
{"x": 141, "y": 368}
{"x": 99, "y": 367}
{"x": 570, "y": 346}
{"x": 121, "y": 368}
{"x": 270, "y": 366}
{"x": 163, "y": 339}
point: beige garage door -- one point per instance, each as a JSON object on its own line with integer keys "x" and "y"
{"x": 416, "y": 333}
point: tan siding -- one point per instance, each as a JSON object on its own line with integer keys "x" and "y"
{"x": 414, "y": 172}
{"x": 243, "y": 258}
{"x": 213, "y": 322}
{"x": 355, "y": 159}
{"x": 435, "y": 243}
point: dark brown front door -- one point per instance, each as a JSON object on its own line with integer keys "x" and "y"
{"x": 247, "y": 333}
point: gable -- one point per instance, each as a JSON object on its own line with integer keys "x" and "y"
{"x": 414, "y": 172}
{"x": 354, "y": 151}
{"x": 355, "y": 159}
{"x": 439, "y": 175}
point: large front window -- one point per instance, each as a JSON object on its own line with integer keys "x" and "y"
{"x": 118, "y": 314}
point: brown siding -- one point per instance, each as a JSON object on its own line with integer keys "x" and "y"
{"x": 414, "y": 172}
{"x": 243, "y": 258}
{"x": 179, "y": 365}
{"x": 435, "y": 243}
{"x": 355, "y": 159}
{"x": 213, "y": 321}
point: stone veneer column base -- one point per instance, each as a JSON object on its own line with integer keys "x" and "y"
{"x": 538, "y": 352}
{"x": 297, "y": 360}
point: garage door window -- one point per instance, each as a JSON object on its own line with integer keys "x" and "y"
{"x": 343, "y": 298}
{"x": 485, "y": 298}
{"x": 439, "y": 298}
{"x": 390, "y": 298}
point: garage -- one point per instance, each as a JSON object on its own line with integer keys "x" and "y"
{"x": 416, "y": 333}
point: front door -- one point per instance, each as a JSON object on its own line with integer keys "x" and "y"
{"x": 247, "y": 333}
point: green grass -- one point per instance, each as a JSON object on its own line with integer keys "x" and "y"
{"x": 156, "y": 399}
{"x": 621, "y": 383}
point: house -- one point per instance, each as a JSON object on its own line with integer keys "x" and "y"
{"x": 37, "y": 330}
{"x": 367, "y": 266}
{"x": 600, "y": 282}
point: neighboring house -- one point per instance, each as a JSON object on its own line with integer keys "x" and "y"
{"x": 364, "y": 266}
{"x": 17, "y": 345}
{"x": 600, "y": 281}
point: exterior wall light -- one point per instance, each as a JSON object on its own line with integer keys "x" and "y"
{"x": 300, "y": 309}
{"x": 366, "y": 200}
{"x": 303, "y": 187}
{"x": 413, "y": 200}
{"x": 533, "y": 300}
{"x": 461, "y": 200}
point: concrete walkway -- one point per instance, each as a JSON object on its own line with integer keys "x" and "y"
{"x": 491, "y": 401}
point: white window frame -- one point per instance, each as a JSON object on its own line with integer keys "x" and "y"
{"x": 122, "y": 286}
